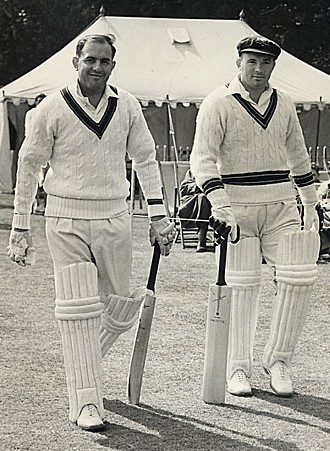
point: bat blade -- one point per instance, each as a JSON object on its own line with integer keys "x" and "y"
{"x": 139, "y": 353}
{"x": 142, "y": 335}
{"x": 216, "y": 345}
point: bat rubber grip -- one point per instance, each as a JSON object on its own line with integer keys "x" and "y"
{"x": 154, "y": 267}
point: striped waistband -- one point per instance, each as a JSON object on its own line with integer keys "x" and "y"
{"x": 256, "y": 178}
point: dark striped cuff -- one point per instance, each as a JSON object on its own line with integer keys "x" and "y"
{"x": 212, "y": 185}
{"x": 155, "y": 201}
{"x": 304, "y": 180}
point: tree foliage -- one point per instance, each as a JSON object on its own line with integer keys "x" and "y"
{"x": 33, "y": 30}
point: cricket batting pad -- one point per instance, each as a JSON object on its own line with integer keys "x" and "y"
{"x": 119, "y": 316}
{"x": 296, "y": 272}
{"x": 244, "y": 277}
{"x": 78, "y": 311}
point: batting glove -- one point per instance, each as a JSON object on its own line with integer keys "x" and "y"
{"x": 20, "y": 249}
{"x": 223, "y": 223}
{"x": 163, "y": 231}
{"x": 311, "y": 218}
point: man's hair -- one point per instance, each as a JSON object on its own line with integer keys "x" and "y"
{"x": 100, "y": 38}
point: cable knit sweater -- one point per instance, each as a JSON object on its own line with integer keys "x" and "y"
{"x": 86, "y": 149}
{"x": 254, "y": 148}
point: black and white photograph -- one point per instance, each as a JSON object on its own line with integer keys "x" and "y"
{"x": 164, "y": 225}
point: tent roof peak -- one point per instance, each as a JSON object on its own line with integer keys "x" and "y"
{"x": 242, "y": 16}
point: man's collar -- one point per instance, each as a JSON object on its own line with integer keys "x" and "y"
{"x": 108, "y": 92}
{"x": 236, "y": 87}
{"x": 75, "y": 90}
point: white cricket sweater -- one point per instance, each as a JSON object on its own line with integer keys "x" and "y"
{"x": 253, "y": 147}
{"x": 28, "y": 118}
{"x": 86, "y": 153}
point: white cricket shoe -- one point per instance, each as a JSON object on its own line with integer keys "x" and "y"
{"x": 89, "y": 419}
{"x": 280, "y": 379}
{"x": 239, "y": 385}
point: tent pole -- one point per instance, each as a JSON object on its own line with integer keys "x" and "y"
{"x": 6, "y": 179}
{"x": 319, "y": 110}
{"x": 176, "y": 158}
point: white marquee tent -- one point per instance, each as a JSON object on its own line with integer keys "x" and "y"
{"x": 163, "y": 61}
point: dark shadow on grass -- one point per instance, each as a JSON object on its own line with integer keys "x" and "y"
{"x": 306, "y": 404}
{"x": 170, "y": 432}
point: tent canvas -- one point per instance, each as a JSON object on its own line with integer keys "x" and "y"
{"x": 169, "y": 60}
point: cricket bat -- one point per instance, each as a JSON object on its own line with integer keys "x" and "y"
{"x": 217, "y": 331}
{"x": 141, "y": 341}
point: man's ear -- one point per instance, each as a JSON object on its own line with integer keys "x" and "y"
{"x": 238, "y": 62}
{"x": 75, "y": 62}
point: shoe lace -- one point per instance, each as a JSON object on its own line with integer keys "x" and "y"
{"x": 241, "y": 375}
{"x": 90, "y": 409}
{"x": 282, "y": 370}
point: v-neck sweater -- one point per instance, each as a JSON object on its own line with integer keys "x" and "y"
{"x": 243, "y": 151}
{"x": 87, "y": 174}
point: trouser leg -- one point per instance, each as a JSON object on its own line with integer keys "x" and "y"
{"x": 244, "y": 277}
{"x": 296, "y": 271}
{"x": 78, "y": 311}
{"x": 203, "y": 212}
{"x": 202, "y": 233}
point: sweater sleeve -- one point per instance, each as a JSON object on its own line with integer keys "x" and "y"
{"x": 206, "y": 151}
{"x": 141, "y": 149}
{"x": 298, "y": 159}
{"x": 34, "y": 153}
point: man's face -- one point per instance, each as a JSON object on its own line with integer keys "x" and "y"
{"x": 255, "y": 70}
{"x": 94, "y": 66}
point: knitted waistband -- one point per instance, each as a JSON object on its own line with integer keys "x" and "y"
{"x": 85, "y": 208}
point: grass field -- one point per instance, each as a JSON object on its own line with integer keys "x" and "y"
{"x": 172, "y": 416}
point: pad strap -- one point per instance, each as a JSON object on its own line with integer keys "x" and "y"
{"x": 297, "y": 274}
{"x": 243, "y": 279}
{"x": 78, "y": 309}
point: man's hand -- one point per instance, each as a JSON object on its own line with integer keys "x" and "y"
{"x": 163, "y": 231}
{"x": 223, "y": 223}
{"x": 20, "y": 249}
{"x": 311, "y": 218}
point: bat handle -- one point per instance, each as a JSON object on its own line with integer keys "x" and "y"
{"x": 154, "y": 267}
{"x": 222, "y": 263}
{"x": 223, "y": 258}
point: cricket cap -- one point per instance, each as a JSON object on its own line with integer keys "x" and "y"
{"x": 258, "y": 44}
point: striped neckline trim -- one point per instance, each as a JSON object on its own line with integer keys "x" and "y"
{"x": 261, "y": 119}
{"x": 96, "y": 127}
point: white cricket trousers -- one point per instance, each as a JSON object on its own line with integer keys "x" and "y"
{"x": 105, "y": 242}
{"x": 262, "y": 227}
